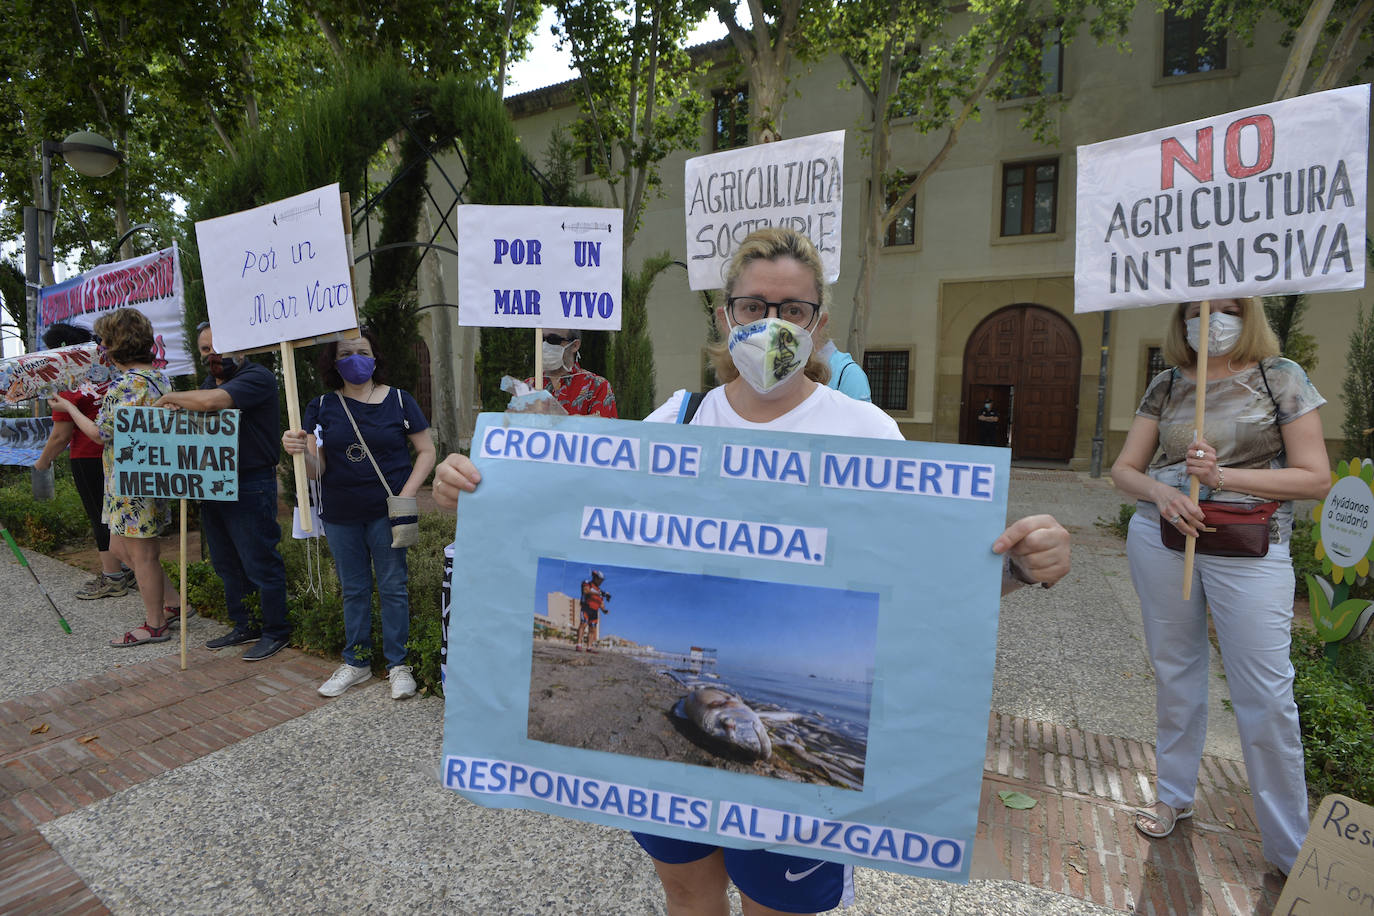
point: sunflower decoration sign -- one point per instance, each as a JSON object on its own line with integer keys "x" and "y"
{"x": 1344, "y": 535}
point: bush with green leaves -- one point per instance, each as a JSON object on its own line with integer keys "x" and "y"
{"x": 47, "y": 525}
{"x": 1335, "y": 697}
{"x": 1122, "y": 523}
{"x": 314, "y": 601}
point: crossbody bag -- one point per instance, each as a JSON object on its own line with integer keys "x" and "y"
{"x": 1230, "y": 529}
{"x": 402, "y": 511}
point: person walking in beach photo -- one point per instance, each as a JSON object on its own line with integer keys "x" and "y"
{"x": 591, "y": 606}
{"x": 774, "y": 295}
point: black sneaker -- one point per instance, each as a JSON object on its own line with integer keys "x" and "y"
{"x": 236, "y": 636}
{"x": 266, "y": 648}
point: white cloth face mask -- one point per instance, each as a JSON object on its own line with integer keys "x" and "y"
{"x": 1222, "y": 333}
{"x": 769, "y": 352}
{"x": 552, "y": 356}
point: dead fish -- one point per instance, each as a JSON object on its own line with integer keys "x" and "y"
{"x": 725, "y": 717}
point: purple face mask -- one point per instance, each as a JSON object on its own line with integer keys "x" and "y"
{"x": 355, "y": 368}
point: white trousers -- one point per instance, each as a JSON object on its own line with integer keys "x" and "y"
{"x": 1252, "y": 609}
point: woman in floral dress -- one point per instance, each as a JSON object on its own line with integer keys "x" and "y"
{"x": 134, "y": 522}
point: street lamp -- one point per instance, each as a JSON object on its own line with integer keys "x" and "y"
{"x": 91, "y": 155}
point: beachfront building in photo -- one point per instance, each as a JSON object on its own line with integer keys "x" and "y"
{"x": 560, "y": 614}
{"x": 973, "y": 297}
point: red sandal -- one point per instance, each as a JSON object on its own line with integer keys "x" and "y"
{"x": 131, "y": 638}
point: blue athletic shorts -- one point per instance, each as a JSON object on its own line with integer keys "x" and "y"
{"x": 790, "y": 884}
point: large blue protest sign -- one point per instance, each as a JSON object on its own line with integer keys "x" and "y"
{"x": 796, "y": 635}
{"x": 176, "y": 454}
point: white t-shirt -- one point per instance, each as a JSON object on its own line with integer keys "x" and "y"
{"x": 826, "y": 412}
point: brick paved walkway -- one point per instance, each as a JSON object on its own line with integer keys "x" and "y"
{"x": 80, "y": 742}
{"x": 74, "y": 744}
{"x": 1079, "y": 839}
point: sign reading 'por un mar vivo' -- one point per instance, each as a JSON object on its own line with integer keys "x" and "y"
{"x": 1262, "y": 201}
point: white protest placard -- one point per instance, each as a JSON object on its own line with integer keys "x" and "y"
{"x": 278, "y": 272}
{"x": 794, "y": 183}
{"x": 539, "y": 267}
{"x": 1262, "y": 201}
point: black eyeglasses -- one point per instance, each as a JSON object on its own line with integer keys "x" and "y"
{"x": 748, "y": 309}
{"x": 558, "y": 341}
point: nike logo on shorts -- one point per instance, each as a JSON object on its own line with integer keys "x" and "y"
{"x": 797, "y": 877}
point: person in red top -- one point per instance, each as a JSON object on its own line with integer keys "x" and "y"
{"x": 87, "y": 473}
{"x": 593, "y": 606}
{"x": 581, "y": 393}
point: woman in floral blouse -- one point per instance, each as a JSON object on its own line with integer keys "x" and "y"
{"x": 134, "y": 522}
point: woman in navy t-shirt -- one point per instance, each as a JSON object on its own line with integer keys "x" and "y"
{"x": 354, "y": 501}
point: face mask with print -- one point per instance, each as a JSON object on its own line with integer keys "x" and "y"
{"x": 767, "y": 353}
{"x": 552, "y": 355}
{"x": 355, "y": 368}
{"x": 1222, "y": 333}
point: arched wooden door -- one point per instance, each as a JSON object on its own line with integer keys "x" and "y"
{"x": 1026, "y": 360}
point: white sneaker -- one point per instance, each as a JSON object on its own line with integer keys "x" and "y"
{"x": 402, "y": 682}
{"x": 344, "y": 677}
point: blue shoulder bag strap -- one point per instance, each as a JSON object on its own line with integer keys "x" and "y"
{"x": 690, "y": 404}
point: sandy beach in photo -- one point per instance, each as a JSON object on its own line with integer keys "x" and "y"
{"x": 613, "y": 702}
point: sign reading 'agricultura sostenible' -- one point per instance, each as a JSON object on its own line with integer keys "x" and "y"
{"x": 1262, "y": 201}
{"x": 176, "y": 454}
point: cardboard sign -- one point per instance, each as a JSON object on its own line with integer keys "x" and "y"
{"x": 278, "y": 272}
{"x": 539, "y": 267}
{"x": 795, "y": 635}
{"x": 1334, "y": 872}
{"x": 176, "y": 454}
{"x": 794, "y": 183}
{"x": 151, "y": 283}
{"x": 1257, "y": 202}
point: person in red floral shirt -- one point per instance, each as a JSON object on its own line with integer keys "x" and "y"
{"x": 581, "y": 393}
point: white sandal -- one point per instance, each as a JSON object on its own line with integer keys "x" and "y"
{"x": 1164, "y": 815}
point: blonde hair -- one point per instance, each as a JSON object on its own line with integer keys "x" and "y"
{"x": 773, "y": 244}
{"x": 1257, "y": 340}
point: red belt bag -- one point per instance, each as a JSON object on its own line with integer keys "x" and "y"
{"x": 1232, "y": 530}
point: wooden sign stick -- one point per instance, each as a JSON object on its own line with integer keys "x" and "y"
{"x": 538, "y": 359}
{"x": 181, "y": 567}
{"x": 293, "y": 420}
{"x": 1194, "y": 485}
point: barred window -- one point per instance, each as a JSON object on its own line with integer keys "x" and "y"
{"x": 888, "y": 374}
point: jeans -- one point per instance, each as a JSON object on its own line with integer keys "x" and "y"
{"x": 1251, "y": 600}
{"x": 358, "y": 549}
{"x": 242, "y": 537}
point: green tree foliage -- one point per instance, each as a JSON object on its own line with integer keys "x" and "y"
{"x": 636, "y": 90}
{"x": 168, "y": 89}
{"x": 1285, "y": 317}
{"x": 935, "y": 63}
{"x": 766, "y": 50}
{"x": 430, "y": 37}
{"x": 632, "y": 353}
{"x": 1358, "y": 389}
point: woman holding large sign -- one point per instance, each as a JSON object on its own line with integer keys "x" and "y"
{"x": 774, "y": 381}
{"x": 360, "y": 453}
{"x": 1262, "y": 448}
{"x": 134, "y": 522}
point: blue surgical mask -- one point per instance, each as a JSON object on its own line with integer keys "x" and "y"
{"x": 355, "y": 368}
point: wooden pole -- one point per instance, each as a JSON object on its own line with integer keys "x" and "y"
{"x": 538, "y": 359}
{"x": 1194, "y": 485}
{"x": 181, "y": 578}
{"x": 293, "y": 419}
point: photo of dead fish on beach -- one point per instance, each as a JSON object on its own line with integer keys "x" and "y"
{"x": 769, "y": 678}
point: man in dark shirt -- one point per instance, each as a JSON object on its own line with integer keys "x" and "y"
{"x": 242, "y": 535}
